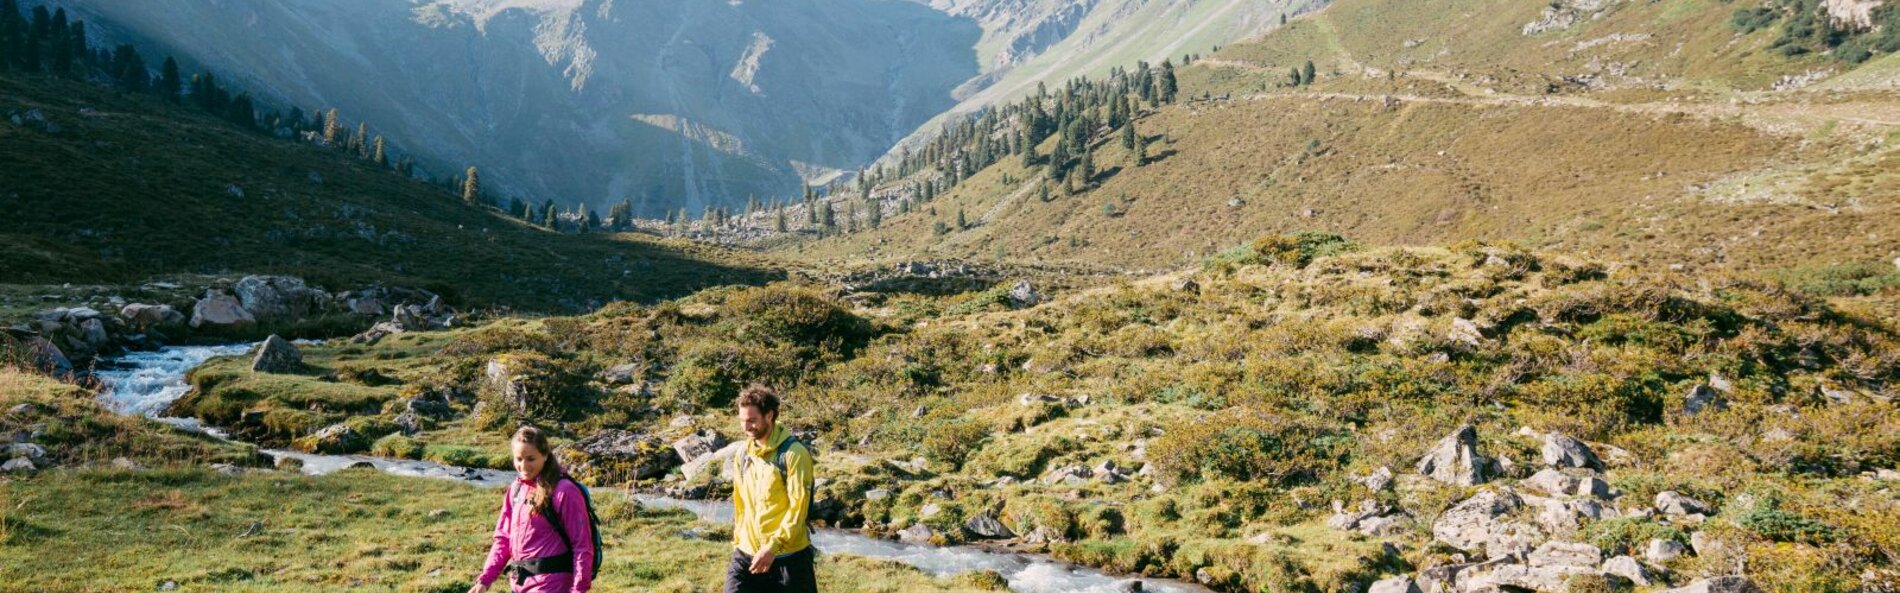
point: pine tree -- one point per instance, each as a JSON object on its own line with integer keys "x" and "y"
{"x": 1029, "y": 154}
{"x": 962, "y": 223}
{"x": 780, "y": 224}
{"x": 829, "y": 218}
{"x": 332, "y": 129}
{"x": 550, "y": 216}
{"x": 361, "y": 139}
{"x": 1307, "y": 73}
{"x": 1088, "y": 166}
{"x": 586, "y": 221}
{"x": 62, "y": 48}
{"x": 1128, "y": 137}
{"x": 1042, "y": 191}
{"x": 517, "y": 208}
{"x": 472, "y": 187}
{"x": 242, "y": 112}
{"x": 1141, "y": 153}
{"x": 874, "y": 213}
{"x": 850, "y": 217}
{"x": 170, "y": 84}
{"x": 382, "y": 157}
{"x": 1294, "y": 76}
{"x": 130, "y": 69}
{"x": 1166, "y": 81}
{"x": 82, "y": 51}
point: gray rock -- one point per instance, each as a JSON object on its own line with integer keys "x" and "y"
{"x": 916, "y": 534}
{"x": 1553, "y": 482}
{"x": 1023, "y": 294}
{"x": 336, "y": 438}
{"x": 18, "y": 465}
{"x": 220, "y": 309}
{"x": 1455, "y": 460}
{"x": 1671, "y": 502}
{"x": 877, "y": 494}
{"x": 1629, "y": 568}
{"x": 377, "y": 332}
{"x": 1663, "y": 550}
{"x": 1594, "y": 487}
{"x": 1728, "y": 584}
{"x": 1465, "y": 332}
{"x": 703, "y": 465}
{"x": 277, "y": 355}
{"x": 27, "y": 450}
{"x": 1563, "y": 451}
{"x": 1394, "y": 585}
{"x": 277, "y": 298}
{"x": 126, "y": 464}
{"x": 47, "y": 357}
{"x": 985, "y": 526}
{"x": 614, "y": 456}
{"x": 1073, "y": 474}
{"x": 22, "y": 410}
{"x": 1701, "y": 398}
{"x": 620, "y": 374}
{"x": 367, "y": 305}
{"x": 1386, "y": 526}
{"x": 699, "y": 444}
{"x": 1378, "y": 480}
{"x": 144, "y": 316}
{"x": 1510, "y": 577}
{"x": 1573, "y": 554}
{"x": 1706, "y": 545}
{"x": 93, "y": 331}
{"x": 1482, "y": 522}
{"x": 930, "y": 510}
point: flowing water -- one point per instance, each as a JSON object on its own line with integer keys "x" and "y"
{"x": 146, "y": 382}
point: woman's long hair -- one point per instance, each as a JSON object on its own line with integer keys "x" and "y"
{"x": 542, "y": 495}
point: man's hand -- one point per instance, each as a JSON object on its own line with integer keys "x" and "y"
{"x": 762, "y": 562}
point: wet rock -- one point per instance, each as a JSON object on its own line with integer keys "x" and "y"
{"x": 916, "y": 534}
{"x": 985, "y": 526}
{"x": 1663, "y": 550}
{"x": 614, "y": 456}
{"x": 1455, "y": 460}
{"x": 1703, "y": 398}
{"x": 334, "y": 439}
{"x": 1563, "y": 451}
{"x": 220, "y": 310}
{"x": 278, "y": 298}
{"x": 1728, "y": 584}
{"x": 1671, "y": 502}
{"x": 277, "y": 355}
{"x": 144, "y": 316}
{"x": 1629, "y": 568}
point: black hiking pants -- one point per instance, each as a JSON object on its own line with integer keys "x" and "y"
{"x": 791, "y": 574}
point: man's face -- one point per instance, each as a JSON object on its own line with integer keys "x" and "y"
{"x": 756, "y": 424}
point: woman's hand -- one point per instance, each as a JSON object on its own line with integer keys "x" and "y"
{"x": 478, "y": 588}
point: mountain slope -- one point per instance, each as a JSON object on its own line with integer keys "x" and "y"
{"x": 1643, "y": 135}
{"x": 666, "y": 104}
{"x": 126, "y": 189}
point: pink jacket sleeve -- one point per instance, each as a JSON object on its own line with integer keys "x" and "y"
{"x": 575, "y": 522}
{"x": 499, "y": 553}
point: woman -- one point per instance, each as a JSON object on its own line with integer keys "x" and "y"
{"x": 543, "y": 539}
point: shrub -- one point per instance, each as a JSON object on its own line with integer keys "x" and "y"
{"x": 1245, "y": 447}
{"x": 784, "y": 314}
{"x": 952, "y": 441}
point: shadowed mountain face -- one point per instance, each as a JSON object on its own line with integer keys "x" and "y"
{"x": 667, "y": 103}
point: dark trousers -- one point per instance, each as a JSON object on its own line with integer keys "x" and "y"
{"x": 791, "y": 574}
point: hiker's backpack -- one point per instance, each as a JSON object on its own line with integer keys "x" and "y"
{"x": 554, "y": 517}
{"x": 778, "y": 461}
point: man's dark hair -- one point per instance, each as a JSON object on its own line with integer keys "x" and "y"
{"x": 761, "y": 397}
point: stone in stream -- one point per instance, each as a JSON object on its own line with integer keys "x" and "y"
{"x": 986, "y": 526}
{"x": 916, "y": 534}
{"x": 220, "y": 309}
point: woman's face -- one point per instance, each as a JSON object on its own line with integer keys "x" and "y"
{"x": 528, "y": 461}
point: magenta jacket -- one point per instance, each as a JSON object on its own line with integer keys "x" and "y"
{"x": 520, "y": 533}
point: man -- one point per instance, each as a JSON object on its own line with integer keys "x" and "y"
{"x": 771, "y": 503}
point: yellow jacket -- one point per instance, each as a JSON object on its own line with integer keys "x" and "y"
{"x": 770, "y": 511}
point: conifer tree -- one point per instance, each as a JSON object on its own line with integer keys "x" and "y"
{"x": 361, "y": 140}
{"x": 550, "y": 216}
{"x": 170, "y": 84}
{"x": 1307, "y": 73}
{"x": 1128, "y": 136}
{"x": 1166, "y": 81}
{"x": 962, "y": 222}
{"x": 332, "y": 129}
{"x": 471, "y": 187}
{"x": 780, "y": 224}
{"x": 382, "y": 157}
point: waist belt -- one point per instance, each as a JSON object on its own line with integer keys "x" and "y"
{"x": 520, "y": 570}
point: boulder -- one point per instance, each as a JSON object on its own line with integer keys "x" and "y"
{"x": 1572, "y": 554}
{"x": 620, "y": 374}
{"x": 219, "y": 309}
{"x": 93, "y": 331}
{"x": 985, "y": 526}
{"x": 703, "y": 465}
{"x": 47, "y": 357}
{"x": 1629, "y": 568}
{"x": 1510, "y": 577}
{"x": 334, "y": 439}
{"x": 877, "y": 494}
{"x": 1455, "y": 460}
{"x": 1594, "y": 487}
{"x": 18, "y": 465}
{"x": 377, "y": 332}
{"x": 1671, "y": 502}
{"x": 1465, "y": 333}
{"x": 916, "y": 534}
{"x": 1394, "y": 585}
{"x": 699, "y": 444}
{"x": 1728, "y": 584}
{"x": 1482, "y": 523}
{"x": 277, "y": 355}
{"x": 1563, "y": 451}
{"x": 410, "y": 318}
{"x": 1552, "y": 482}
{"x": 278, "y": 298}
{"x": 1663, "y": 550}
{"x": 1023, "y": 294}
{"x": 26, "y": 450}
{"x": 1378, "y": 480}
{"x": 1703, "y": 398}
{"x": 144, "y": 316}
{"x": 126, "y": 464}
{"x": 614, "y": 456}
